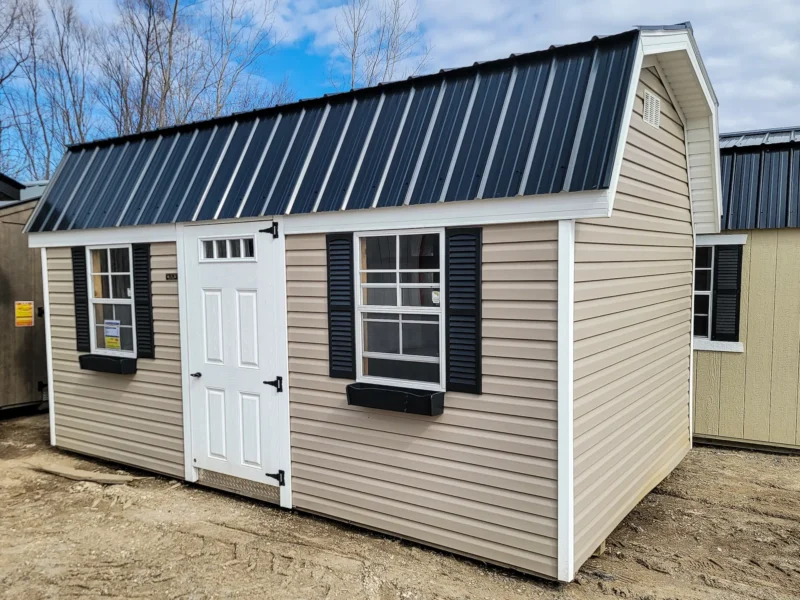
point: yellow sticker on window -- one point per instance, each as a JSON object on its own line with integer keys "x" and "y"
{"x": 111, "y": 334}
{"x": 23, "y": 313}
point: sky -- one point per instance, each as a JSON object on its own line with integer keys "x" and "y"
{"x": 750, "y": 47}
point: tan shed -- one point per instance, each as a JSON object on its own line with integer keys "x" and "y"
{"x": 23, "y": 364}
{"x": 747, "y": 298}
{"x": 454, "y": 309}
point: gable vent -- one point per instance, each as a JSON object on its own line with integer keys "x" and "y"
{"x": 652, "y": 109}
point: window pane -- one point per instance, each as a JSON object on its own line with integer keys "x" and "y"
{"x": 235, "y": 249}
{"x": 100, "y": 337}
{"x": 429, "y": 297}
{"x": 123, "y": 313}
{"x": 703, "y": 257}
{"x": 419, "y": 277}
{"x": 701, "y": 326}
{"x": 702, "y": 281}
{"x": 380, "y": 296}
{"x": 249, "y": 247}
{"x": 120, "y": 260}
{"x": 382, "y": 316}
{"x": 401, "y": 369}
{"x": 379, "y": 252}
{"x": 701, "y": 304}
{"x": 427, "y": 318}
{"x": 121, "y": 286}
{"x": 421, "y": 340}
{"x": 126, "y": 338}
{"x": 208, "y": 249}
{"x": 419, "y": 251}
{"x": 100, "y": 261}
{"x": 378, "y": 277}
{"x": 103, "y": 312}
{"x": 381, "y": 337}
{"x": 222, "y": 249}
{"x": 101, "y": 286}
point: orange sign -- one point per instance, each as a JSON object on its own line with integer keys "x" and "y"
{"x": 23, "y": 314}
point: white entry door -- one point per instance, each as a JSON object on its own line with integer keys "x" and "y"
{"x": 237, "y": 352}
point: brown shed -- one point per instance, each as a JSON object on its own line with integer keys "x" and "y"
{"x": 454, "y": 309}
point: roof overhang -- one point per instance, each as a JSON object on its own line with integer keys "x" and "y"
{"x": 673, "y": 52}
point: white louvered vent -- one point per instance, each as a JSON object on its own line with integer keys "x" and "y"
{"x": 652, "y": 109}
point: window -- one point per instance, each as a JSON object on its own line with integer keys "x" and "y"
{"x": 717, "y": 289}
{"x": 399, "y": 311}
{"x": 228, "y": 249}
{"x": 111, "y": 309}
{"x": 703, "y": 276}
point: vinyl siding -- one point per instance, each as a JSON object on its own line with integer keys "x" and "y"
{"x": 480, "y": 479}
{"x": 753, "y": 396}
{"x": 132, "y": 419}
{"x": 633, "y": 275}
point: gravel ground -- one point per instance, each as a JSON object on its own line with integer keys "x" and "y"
{"x": 724, "y": 525}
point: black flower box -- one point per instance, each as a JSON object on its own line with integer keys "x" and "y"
{"x": 406, "y": 400}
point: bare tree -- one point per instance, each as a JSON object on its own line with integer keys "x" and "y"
{"x": 13, "y": 50}
{"x": 380, "y": 42}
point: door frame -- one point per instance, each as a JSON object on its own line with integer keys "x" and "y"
{"x": 282, "y": 343}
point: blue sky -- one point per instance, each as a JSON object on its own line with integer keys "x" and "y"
{"x": 750, "y": 47}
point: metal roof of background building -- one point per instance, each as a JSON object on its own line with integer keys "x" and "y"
{"x": 760, "y": 179}
{"x": 537, "y": 123}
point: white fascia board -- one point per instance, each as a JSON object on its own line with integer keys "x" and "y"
{"x": 566, "y": 458}
{"x": 521, "y": 209}
{"x": 107, "y": 235}
{"x": 723, "y": 239}
{"x": 625, "y": 126}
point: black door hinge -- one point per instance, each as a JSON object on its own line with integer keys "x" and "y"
{"x": 277, "y": 383}
{"x": 279, "y": 476}
{"x": 273, "y": 229}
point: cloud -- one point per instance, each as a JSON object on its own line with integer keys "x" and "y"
{"x": 750, "y": 48}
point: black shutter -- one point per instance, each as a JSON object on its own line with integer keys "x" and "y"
{"x": 341, "y": 306}
{"x": 463, "y": 309}
{"x": 143, "y": 300}
{"x": 727, "y": 288}
{"x": 80, "y": 287}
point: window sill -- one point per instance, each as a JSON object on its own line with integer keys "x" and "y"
{"x": 405, "y": 400}
{"x": 118, "y": 365}
{"x": 706, "y": 345}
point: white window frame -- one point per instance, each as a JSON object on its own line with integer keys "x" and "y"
{"x": 399, "y": 309}
{"x": 201, "y": 256}
{"x": 709, "y": 293}
{"x": 95, "y": 301}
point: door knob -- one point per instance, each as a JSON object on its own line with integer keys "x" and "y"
{"x": 196, "y": 375}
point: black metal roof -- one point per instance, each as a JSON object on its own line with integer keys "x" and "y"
{"x": 760, "y": 179}
{"x": 537, "y": 123}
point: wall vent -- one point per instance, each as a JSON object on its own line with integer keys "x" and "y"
{"x": 652, "y": 109}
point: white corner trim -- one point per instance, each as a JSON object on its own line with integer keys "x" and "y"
{"x": 49, "y": 348}
{"x": 566, "y": 481}
{"x": 622, "y": 139}
{"x": 706, "y": 345}
{"x": 490, "y": 211}
{"x": 99, "y": 237}
{"x": 723, "y": 239}
{"x": 189, "y": 472}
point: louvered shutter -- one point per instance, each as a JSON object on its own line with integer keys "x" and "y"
{"x": 726, "y": 292}
{"x": 463, "y": 309}
{"x": 143, "y": 301}
{"x": 341, "y": 306}
{"x": 80, "y": 288}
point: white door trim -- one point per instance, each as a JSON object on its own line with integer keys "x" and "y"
{"x": 190, "y": 473}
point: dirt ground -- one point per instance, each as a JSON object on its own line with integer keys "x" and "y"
{"x": 724, "y": 525}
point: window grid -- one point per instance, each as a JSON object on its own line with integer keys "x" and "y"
{"x": 112, "y": 300}
{"x": 706, "y": 293}
{"x": 403, "y": 312}
{"x": 227, "y": 249}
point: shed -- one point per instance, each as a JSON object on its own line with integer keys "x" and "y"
{"x": 23, "y": 363}
{"x": 454, "y": 308}
{"x": 747, "y": 303}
